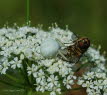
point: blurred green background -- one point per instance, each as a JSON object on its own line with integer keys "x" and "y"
{"x": 84, "y": 17}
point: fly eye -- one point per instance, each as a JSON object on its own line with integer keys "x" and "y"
{"x": 80, "y": 43}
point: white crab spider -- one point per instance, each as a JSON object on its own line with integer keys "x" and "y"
{"x": 51, "y": 48}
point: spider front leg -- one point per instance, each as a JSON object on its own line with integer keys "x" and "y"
{"x": 60, "y": 43}
{"x": 62, "y": 55}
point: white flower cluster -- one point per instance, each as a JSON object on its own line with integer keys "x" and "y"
{"x": 95, "y": 59}
{"x": 94, "y": 82}
{"x": 95, "y": 56}
{"x": 95, "y": 79}
{"x": 50, "y": 74}
{"x": 23, "y": 46}
{"x": 23, "y": 43}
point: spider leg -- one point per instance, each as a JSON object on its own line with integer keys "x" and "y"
{"x": 60, "y": 43}
{"x": 76, "y": 35}
{"x": 62, "y": 55}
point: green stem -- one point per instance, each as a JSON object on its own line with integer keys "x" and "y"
{"x": 30, "y": 92}
{"x": 27, "y": 12}
{"x": 25, "y": 74}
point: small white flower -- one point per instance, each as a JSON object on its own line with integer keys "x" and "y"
{"x": 56, "y": 89}
{"x": 32, "y": 70}
{"x": 105, "y": 90}
{"x": 4, "y": 66}
{"x": 21, "y": 57}
{"x": 52, "y": 93}
{"x": 98, "y": 84}
{"x": 40, "y": 76}
{"x": 16, "y": 63}
{"x": 100, "y": 75}
{"x": 87, "y": 84}
{"x": 3, "y": 71}
{"x": 53, "y": 80}
{"x": 68, "y": 82}
{"x": 90, "y": 75}
{"x": 53, "y": 68}
{"x": 42, "y": 87}
{"x": 105, "y": 81}
{"x": 80, "y": 82}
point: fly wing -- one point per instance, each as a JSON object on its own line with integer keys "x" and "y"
{"x": 73, "y": 59}
{"x": 69, "y": 57}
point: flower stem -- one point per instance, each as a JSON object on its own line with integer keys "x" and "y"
{"x": 25, "y": 74}
{"x": 27, "y": 12}
{"x": 30, "y": 92}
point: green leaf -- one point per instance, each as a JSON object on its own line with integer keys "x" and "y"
{"x": 13, "y": 78}
{"x": 10, "y": 84}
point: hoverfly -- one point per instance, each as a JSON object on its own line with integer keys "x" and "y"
{"x": 74, "y": 52}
